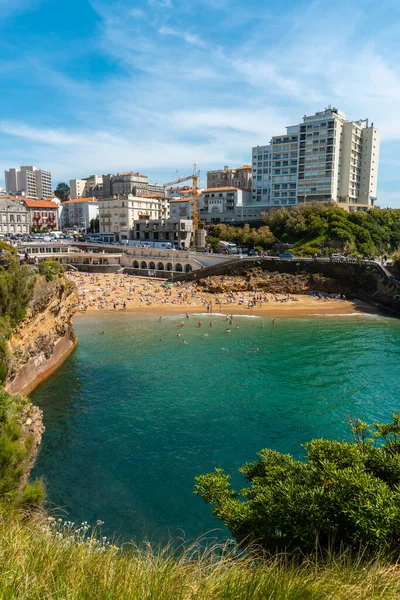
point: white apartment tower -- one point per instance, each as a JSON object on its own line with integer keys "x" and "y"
{"x": 324, "y": 158}
{"x": 29, "y": 181}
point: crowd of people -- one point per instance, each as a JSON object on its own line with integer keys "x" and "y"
{"x": 110, "y": 292}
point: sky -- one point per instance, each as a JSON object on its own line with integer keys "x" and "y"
{"x": 106, "y": 86}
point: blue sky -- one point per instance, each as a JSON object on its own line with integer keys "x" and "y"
{"x": 99, "y": 86}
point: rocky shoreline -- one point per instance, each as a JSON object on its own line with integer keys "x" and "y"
{"x": 44, "y": 339}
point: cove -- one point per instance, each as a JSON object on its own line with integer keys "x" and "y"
{"x": 131, "y": 420}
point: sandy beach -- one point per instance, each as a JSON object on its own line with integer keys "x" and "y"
{"x": 120, "y": 292}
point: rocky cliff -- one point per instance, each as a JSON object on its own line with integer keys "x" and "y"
{"x": 43, "y": 340}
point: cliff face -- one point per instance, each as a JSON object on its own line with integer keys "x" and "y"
{"x": 44, "y": 338}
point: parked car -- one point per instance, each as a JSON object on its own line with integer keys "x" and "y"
{"x": 286, "y": 255}
{"x": 337, "y": 256}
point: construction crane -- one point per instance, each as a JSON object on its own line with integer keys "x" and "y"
{"x": 195, "y": 177}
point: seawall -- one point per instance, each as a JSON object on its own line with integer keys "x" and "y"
{"x": 44, "y": 339}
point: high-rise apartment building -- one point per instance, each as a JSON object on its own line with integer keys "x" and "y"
{"x": 325, "y": 158}
{"x": 29, "y": 181}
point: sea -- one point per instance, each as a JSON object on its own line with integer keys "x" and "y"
{"x": 137, "y": 411}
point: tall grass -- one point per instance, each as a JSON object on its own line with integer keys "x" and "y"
{"x": 37, "y": 562}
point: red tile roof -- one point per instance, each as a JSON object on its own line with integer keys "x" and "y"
{"x": 180, "y": 200}
{"x": 244, "y": 167}
{"x": 40, "y": 204}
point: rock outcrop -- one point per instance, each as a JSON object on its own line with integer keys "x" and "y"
{"x": 43, "y": 340}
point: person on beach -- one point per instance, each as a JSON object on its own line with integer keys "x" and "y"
{"x": 199, "y": 324}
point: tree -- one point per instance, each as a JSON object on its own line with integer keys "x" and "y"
{"x": 95, "y": 225}
{"x": 62, "y": 191}
{"x": 344, "y": 495}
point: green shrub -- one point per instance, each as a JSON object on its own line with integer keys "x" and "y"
{"x": 343, "y": 495}
{"x": 50, "y": 269}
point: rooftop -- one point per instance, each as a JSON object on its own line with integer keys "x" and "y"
{"x": 40, "y": 203}
{"x": 77, "y": 200}
{"x": 224, "y": 189}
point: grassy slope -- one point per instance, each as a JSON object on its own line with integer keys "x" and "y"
{"x": 37, "y": 563}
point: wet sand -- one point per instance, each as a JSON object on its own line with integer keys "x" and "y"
{"x": 144, "y": 296}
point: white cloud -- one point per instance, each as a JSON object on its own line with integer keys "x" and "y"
{"x": 138, "y": 13}
{"x": 160, "y": 3}
{"x": 190, "y": 38}
{"x": 216, "y": 99}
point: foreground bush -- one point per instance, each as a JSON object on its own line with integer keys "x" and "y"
{"x": 343, "y": 495}
{"x": 38, "y": 563}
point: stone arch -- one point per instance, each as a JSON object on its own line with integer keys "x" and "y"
{"x": 143, "y": 265}
{"x": 188, "y": 269}
{"x": 178, "y": 267}
{"x": 135, "y": 264}
{"x": 169, "y": 266}
{"x": 152, "y": 265}
{"x": 160, "y": 266}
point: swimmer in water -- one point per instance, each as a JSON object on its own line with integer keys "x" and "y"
{"x": 183, "y": 342}
{"x": 160, "y": 319}
{"x": 161, "y": 339}
{"x": 226, "y": 349}
{"x": 262, "y": 326}
{"x": 237, "y": 326}
{"x": 178, "y": 335}
{"x": 182, "y": 324}
{"x": 228, "y": 330}
{"x": 205, "y": 334}
{"x": 102, "y": 333}
{"x": 199, "y": 324}
{"x": 255, "y": 350}
{"x": 211, "y": 324}
{"x": 273, "y": 321}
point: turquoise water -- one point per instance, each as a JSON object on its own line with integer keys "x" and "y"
{"x": 130, "y": 420}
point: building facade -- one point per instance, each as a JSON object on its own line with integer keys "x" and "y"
{"x": 84, "y": 188}
{"x": 29, "y": 181}
{"x": 224, "y": 204}
{"x": 118, "y": 215}
{"x": 42, "y": 214}
{"x": 177, "y": 233}
{"x": 226, "y": 177}
{"x": 325, "y": 158}
{"x": 78, "y": 212}
{"x": 125, "y": 183}
{"x": 13, "y": 217}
